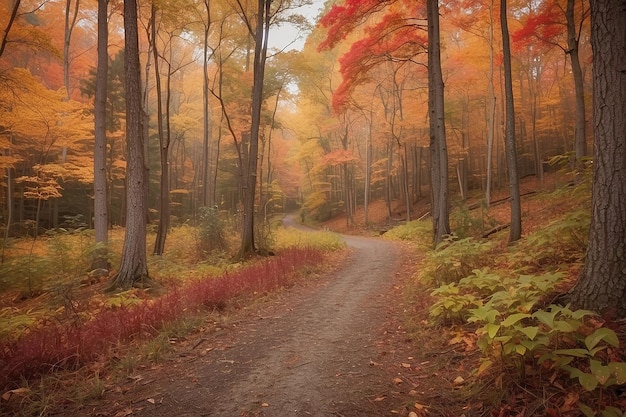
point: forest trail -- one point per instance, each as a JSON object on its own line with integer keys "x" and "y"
{"x": 321, "y": 350}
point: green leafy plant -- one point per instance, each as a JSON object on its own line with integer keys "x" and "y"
{"x": 454, "y": 260}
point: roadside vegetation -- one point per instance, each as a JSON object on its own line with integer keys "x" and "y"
{"x": 59, "y": 324}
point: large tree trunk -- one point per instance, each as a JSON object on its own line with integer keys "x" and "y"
{"x": 509, "y": 140}
{"x": 438, "y": 147}
{"x": 100, "y": 204}
{"x": 133, "y": 264}
{"x": 602, "y": 284}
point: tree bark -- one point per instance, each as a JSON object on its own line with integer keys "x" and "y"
{"x": 133, "y": 264}
{"x": 100, "y": 204}
{"x": 438, "y": 146}
{"x": 509, "y": 140}
{"x": 602, "y": 283}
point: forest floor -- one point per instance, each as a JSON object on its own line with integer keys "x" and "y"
{"x": 338, "y": 345}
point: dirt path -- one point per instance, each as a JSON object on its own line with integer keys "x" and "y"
{"x": 322, "y": 350}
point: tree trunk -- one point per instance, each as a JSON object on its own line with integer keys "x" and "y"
{"x": 164, "y": 143}
{"x": 580, "y": 138}
{"x": 602, "y": 284}
{"x": 9, "y": 214}
{"x": 388, "y": 183}
{"x": 509, "y": 140}
{"x": 100, "y": 204}
{"x": 70, "y": 22}
{"x": 438, "y": 147}
{"x": 368, "y": 171}
{"x": 206, "y": 125}
{"x": 133, "y": 264}
{"x": 247, "y": 247}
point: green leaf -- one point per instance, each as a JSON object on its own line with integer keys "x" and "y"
{"x": 563, "y": 326}
{"x": 492, "y": 329}
{"x": 530, "y": 332}
{"x": 600, "y": 371}
{"x": 587, "y": 411}
{"x": 579, "y": 353}
{"x": 521, "y": 349}
{"x": 546, "y": 317}
{"x": 579, "y": 314}
{"x": 514, "y": 318}
{"x": 611, "y": 412}
{"x": 619, "y": 370}
{"x": 601, "y": 334}
{"x": 588, "y": 381}
{"x": 503, "y": 339}
{"x": 484, "y": 365}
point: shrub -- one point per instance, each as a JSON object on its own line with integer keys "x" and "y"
{"x": 455, "y": 259}
{"x": 211, "y": 230}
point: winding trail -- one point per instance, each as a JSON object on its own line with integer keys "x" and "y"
{"x": 317, "y": 354}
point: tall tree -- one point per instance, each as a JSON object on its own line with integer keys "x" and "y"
{"x": 509, "y": 139}
{"x": 164, "y": 142}
{"x": 602, "y": 283}
{"x": 438, "y": 147}
{"x": 101, "y": 213}
{"x": 260, "y": 35}
{"x": 133, "y": 264}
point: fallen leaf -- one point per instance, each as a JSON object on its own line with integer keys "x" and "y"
{"x": 458, "y": 381}
{"x": 570, "y": 403}
{"x": 406, "y": 365}
{"x": 413, "y": 414}
{"x": 22, "y": 392}
{"x": 151, "y": 400}
{"x": 397, "y": 381}
{"x": 419, "y": 406}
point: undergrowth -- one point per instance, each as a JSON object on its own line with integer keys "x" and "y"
{"x": 55, "y": 345}
{"x": 504, "y": 295}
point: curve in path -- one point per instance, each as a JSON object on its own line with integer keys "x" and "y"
{"x": 317, "y": 358}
